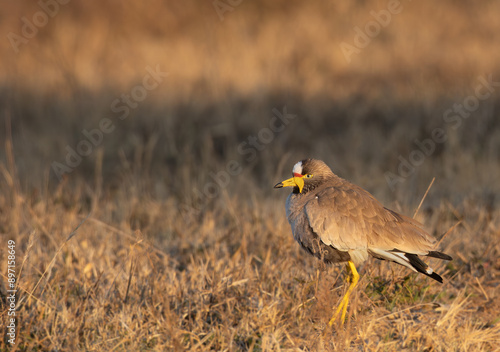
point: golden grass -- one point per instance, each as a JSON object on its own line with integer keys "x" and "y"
{"x": 124, "y": 254}
{"x": 233, "y": 279}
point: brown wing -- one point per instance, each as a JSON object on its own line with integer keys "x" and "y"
{"x": 347, "y": 217}
{"x": 402, "y": 233}
{"x": 342, "y": 216}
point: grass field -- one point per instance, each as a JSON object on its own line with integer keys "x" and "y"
{"x": 140, "y": 145}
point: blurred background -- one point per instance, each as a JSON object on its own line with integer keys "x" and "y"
{"x": 361, "y": 100}
{"x": 140, "y": 143}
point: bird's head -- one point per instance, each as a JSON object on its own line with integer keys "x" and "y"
{"x": 307, "y": 175}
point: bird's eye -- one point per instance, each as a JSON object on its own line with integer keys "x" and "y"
{"x": 308, "y": 176}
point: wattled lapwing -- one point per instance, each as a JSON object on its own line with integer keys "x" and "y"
{"x": 337, "y": 222}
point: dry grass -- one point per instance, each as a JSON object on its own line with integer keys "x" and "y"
{"x": 124, "y": 254}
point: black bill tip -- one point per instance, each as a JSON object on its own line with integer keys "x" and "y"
{"x": 278, "y": 185}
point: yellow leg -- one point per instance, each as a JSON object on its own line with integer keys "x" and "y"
{"x": 345, "y": 300}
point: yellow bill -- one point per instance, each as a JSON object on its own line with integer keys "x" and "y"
{"x": 292, "y": 182}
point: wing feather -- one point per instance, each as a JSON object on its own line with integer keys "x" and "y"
{"x": 347, "y": 217}
{"x": 337, "y": 215}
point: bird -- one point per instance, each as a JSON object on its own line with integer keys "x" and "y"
{"x": 340, "y": 222}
